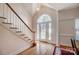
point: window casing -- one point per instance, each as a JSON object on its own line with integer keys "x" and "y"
{"x": 77, "y": 28}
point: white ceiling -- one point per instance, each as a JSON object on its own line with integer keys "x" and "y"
{"x": 60, "y": 6}
{"x": 30, "y": 8}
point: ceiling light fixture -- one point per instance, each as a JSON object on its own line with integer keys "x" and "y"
{"x": 37, "y": 9}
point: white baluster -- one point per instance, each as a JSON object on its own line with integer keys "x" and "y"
{"x": 9, "y": 15}
{"x": 13, "y": 25}
{"x": 3, "y": 14}
{"x": 2, "y": 11}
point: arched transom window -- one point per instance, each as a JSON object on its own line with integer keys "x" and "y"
{"x": 44, "y": 24}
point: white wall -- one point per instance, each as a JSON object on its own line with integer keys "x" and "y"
{"x": 66, "y": 18}
{"x": 10, "y": 43}
{"x": 52, "y": 14}
{"x": 67, "y": 25}
{"x": 66, "y": 31}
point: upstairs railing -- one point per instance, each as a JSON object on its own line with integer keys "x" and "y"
{"x": 14, "y": 22}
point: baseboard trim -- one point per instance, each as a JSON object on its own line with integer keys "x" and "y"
{"x": 61, "y": 46}
{"x": 48, "y": 42}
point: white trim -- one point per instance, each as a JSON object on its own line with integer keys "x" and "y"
{"x": 66, "y": 35}
{"x": 57, "y": 30}
{"x": 67, "y": 19}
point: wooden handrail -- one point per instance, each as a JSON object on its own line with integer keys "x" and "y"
{"x": 19, "y": 17}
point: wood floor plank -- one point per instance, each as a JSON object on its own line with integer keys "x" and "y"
{"x": 40, "y": 49}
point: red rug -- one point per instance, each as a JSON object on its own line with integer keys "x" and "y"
{"x": 63, "y": 52}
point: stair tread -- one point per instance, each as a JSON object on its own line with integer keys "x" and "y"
{"x": 6, "y": 23}
{"x": 13, "y": 28}
{"x": 22, "y": 34}
{"x": 18, "y": 31}
{"x": 25, "y": 37}
{"x": 3, "y": 17}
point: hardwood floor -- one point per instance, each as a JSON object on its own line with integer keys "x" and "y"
{"x": 40, "y": 49}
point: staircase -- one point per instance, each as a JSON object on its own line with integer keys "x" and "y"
{"x": 12, "y": 21}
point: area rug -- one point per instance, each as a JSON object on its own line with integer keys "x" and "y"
{"x": 63, "y": 52}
